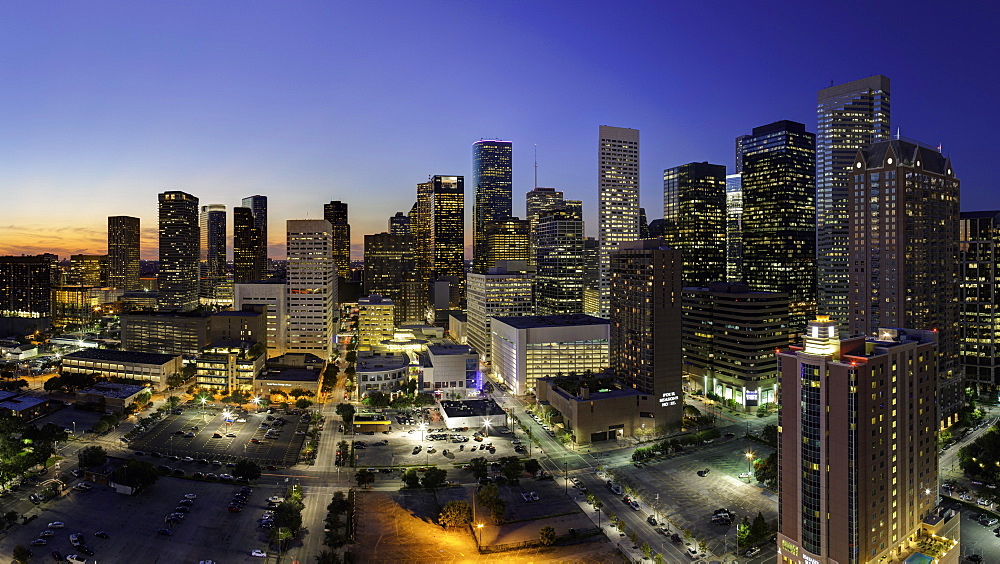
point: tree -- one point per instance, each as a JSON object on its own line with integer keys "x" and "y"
{"x": 479, "y": 467}
{"x": 434, "y": 477}
{"x": 173, "y": 402}
{"x": 21, "y": 554}
{"x": 296, "y": 393}
{"x": 766, "y": 470}
{"x": 288, "y": 514}
{"x": 143, "y": 398}
{"x": 743, "y": 533}
{"x": 423, "y": 398}
{"x": 411, "y": 387}
{"x": 759, "y": 528}
{"x": 175, "y": 380}
{"x": 364, "y": 478}
{"x": 376, "y": 399}
{"x": 512, "y": 468}
{"x": 10, "y": 517}
{"x": 53, "y": 384}
{"x": 303, "y": 403}
{"x": 547, "y": 536}
{"x": 92, "y": 456}
{"x": 489, "y": 497}
{"x": 411, "y": 478}
{"x": 351, "y": 357}
{"x": 136, "y": 474}
{"x": 455, "y": 514}
{"x": 247, "y": 469}
{"x": 346, "y": 412}
{"x": 532, "y": 466}
{"x": 769, "y": 434}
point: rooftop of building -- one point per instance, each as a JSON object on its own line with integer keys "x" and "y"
{"x": 909, "y": 152}
{"x": 237, "y": 313}
{"x": 372, "y": 361}
{"x": 594, "y": 387}
{"x": 21, "y": 402}
{"x": 374, "y": 299}
{"x": 4, "y": 396}
{"x": 459, "y": 316}
{"x": 564, "y": 320}
{"x": 309, "y": 374}
{"x": 113, "y": 390}
{"x": 110, "y": 355}
{"x": 471, "y": 408}
{"x": 295, "y": 359}
{"x": 449, "y": 349}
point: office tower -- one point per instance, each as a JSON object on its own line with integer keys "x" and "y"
{"x": 730, "y": 334}
{"x": 389, "y": 272}
{"x": 535, "y": 202}
{"x": 506, "y": 239}
{"x": 336, "y": 213}
{"x": 166, "y": 332}
{"x": 694, "y": 216}
{"x": 270, "y": 296}
{"x": 740, "y": 142}
{"x": 656, "y": 228}
{"x": 246, "y": 248}
{"x": 979, "y": 309}
{"x": 312, "y": 287}
{"x": 591, "y": 276}
{"x": 560, "y": 262}
{"x": 439, "y": 233}
{"x": 904, "y": 251}
{"x": 123, "y": 252}
{"x": 643, "y": 226}
{"x": 73, "y": 304}
{"x": 779, "y": 217}
{"x": 617, "y": 198}
{"x": 646, "y": 347}
{"x": 506, "y": 290}
{"x": 177, "y": 279}
{"x": 399, "y": 224}
{"x": 213, "y": 251}
{"x": 88, "y": 270}
{"x": 857, "y": 456}
{"x": 376, "y": 321}
{"x": 734, "y": 227}
{"x": 491, "y": 177}
{"x": 258, "y": 206}
{"x": 850, "y": 117}
{"x": 26, "y": 285}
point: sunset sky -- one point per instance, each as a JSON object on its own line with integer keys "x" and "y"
{"x": 105, "y": 104}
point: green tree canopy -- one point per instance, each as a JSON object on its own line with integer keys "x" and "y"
{"x": 411, "y": 478}
{"x": 434, "y": 477}
{"x": 532, "y": 466}
{"x": 303, "y": 403}
{"x": 346, "y": 412}
{"x": 92, "y": 456}
{"x": 479, "y": 467}
{"x": 365, "y": 478}
{"x": 246, "y": 469}
{"x": 547, "y": 536}
{"x": 456, "y": 513}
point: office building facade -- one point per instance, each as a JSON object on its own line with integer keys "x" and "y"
{"x": 247, "y": 266}
{"x": 440, "y": 235}
{"x": 26, "y": 284}
{"x": 376, "y": 321}
{"x": 213, "y": 253}
{"x": 88, "y": 270}
{"x": 559, "y": 262}
{"x": 123, "y": 252}
{"x": 399, "y": 224}
{"x": 390, "y": 272}
{"x": 505, "y": 291}
{"x": 904, "y": 205}
{"x": 178, "y": 277}
{"x": 258, "y": 208}
{"x": 336, "y": 213}
{"x": 505, "y": 239}
{"x": 734, "y": 228}
{"x": 850, "y": 117}
{"x": 312, "y": 287}
{"x": 694, "y": 216}
{"x": 617, "y": 199}
{"x": 979, "y": 309}
{"x": 779, "y": 216}
{"x": 271, "y": 297}
{"x": 491, "y": 179}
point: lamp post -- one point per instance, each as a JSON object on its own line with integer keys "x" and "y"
{"x": 749, "y": 455}
{"x": 479, "y": 529}
{"x": 566, "y": 476}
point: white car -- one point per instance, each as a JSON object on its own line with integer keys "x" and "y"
{"x": 191, "y": 496}
{"x": 746, "y": 475}
{"x": 534, "y": 496}
{"x": 258, "y": 553}
{"x": 56, "y": 525}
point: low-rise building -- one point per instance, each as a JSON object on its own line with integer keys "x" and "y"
{"x": 480, "y": 414}
{"x": 230, "y": 365}
{"x": 608, "y": 412}
{"x": 531, "y": 347}
{"x": 288, "y": 372}
{"x": 149, "y": 369}
{"x": 166, "y": 333}
{"x": 26, "y": 407}
{"x": 451, "y": 371}
{"x": 458, "y": 326}
{"x": 109, "y": 396}
{"x": 382, "y": 372}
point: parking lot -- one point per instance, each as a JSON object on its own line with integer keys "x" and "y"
{"x": 208, "y": 531}
{"x": 204, "y": 434}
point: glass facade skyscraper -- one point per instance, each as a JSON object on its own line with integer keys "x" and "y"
{"x": 177, "y": 279}
{"x": 491, "y": 176}
{"x": 779, "y": 216}
{"x": 336, "y": 213}
{"x": 850, "y": 116}
{"x": 979, "y": 309}
{"x": 258, "y": 207}
{"x": 213, "y": 251}
{"x": 123, "y": 252}
{"x": 560, "y": 262}
{"x": 734, "y": 227}
{"x": 617, "y": 198}
{"x": 694, "y": 215}
{"x": 246, "y": 248}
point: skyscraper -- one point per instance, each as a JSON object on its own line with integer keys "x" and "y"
{"x": 26, "y": 285}
{"x": 979, "y": 308}
{"x": 779, "y": 216}
{"x": 506, "y": 239}
{"x": 88, "y": 270}
{"x": 123, "y": 252}
{"x": 247, "y": 266}
{"x": 399, "y": 224}
{"x": 491, "y": 176}
{"x": 389, "y": 268}
{"x": 617, "y": 198}
{"x": 646, "y": 312}
{"x": 312, "y": 287}
{"x": 904, "y": 251}
{"x": 857, "y": 450}
{"x": 213, "y": 251}
{"x": 336, "y": 213}
{"x": 850, "y": 116}
{"x": 694, "y": 215}
{"x": 258, "y": 205}
{"x": 559, "y": 260}
{"x": 177, "y": 279}
{"x": 506, "y": 290}
{"x": 536, "y": 201}
{"x": 439, "y": 233}
{"x": 734, "y": 227}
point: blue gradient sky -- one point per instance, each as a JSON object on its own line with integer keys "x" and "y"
{"x": 105, "y": 104}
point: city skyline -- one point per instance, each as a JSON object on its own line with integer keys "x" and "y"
{"x": 109, "y": 105}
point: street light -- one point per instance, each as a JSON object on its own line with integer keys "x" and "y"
{"x": 479, "y": 528}
{"x": 749, "y": 455}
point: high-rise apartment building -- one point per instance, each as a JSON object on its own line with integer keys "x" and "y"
{"x": 26, "y": 285}
{"x": 88, "y": 270}
{"x": 857, "y": 448}
{"x": 399, "y": 224}
{"x": 617, "y": 199}
{"x": 979, "y": 308}
{"x": 904, "y": 204}
{"x": 247, "y": 266}
{"x": 389, "y": 272}
{"x": 178, "y": 277}
{"x": 734, "y": 227}
{"x": 850, "y": 117}
{"x": 491, "y": 177}
{"x": 376, "y": 321}
{"x": 694, "y": 215}
{"x": 312, "y": 287}
{"x": 559, "y": 262}
{"x": 730, "y": 335}
{"x": 506, "y": 290}
{"x": 213, "y": 252}
{"x": 123, "y": 252}
{"x": 646, "y": 312}
{"x": 506, "y": 239}
{"x": 336, "y": 213}
{"x": 779, "y": 216}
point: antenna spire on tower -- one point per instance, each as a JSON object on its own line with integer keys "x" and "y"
{"x": 536, "y": 165}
